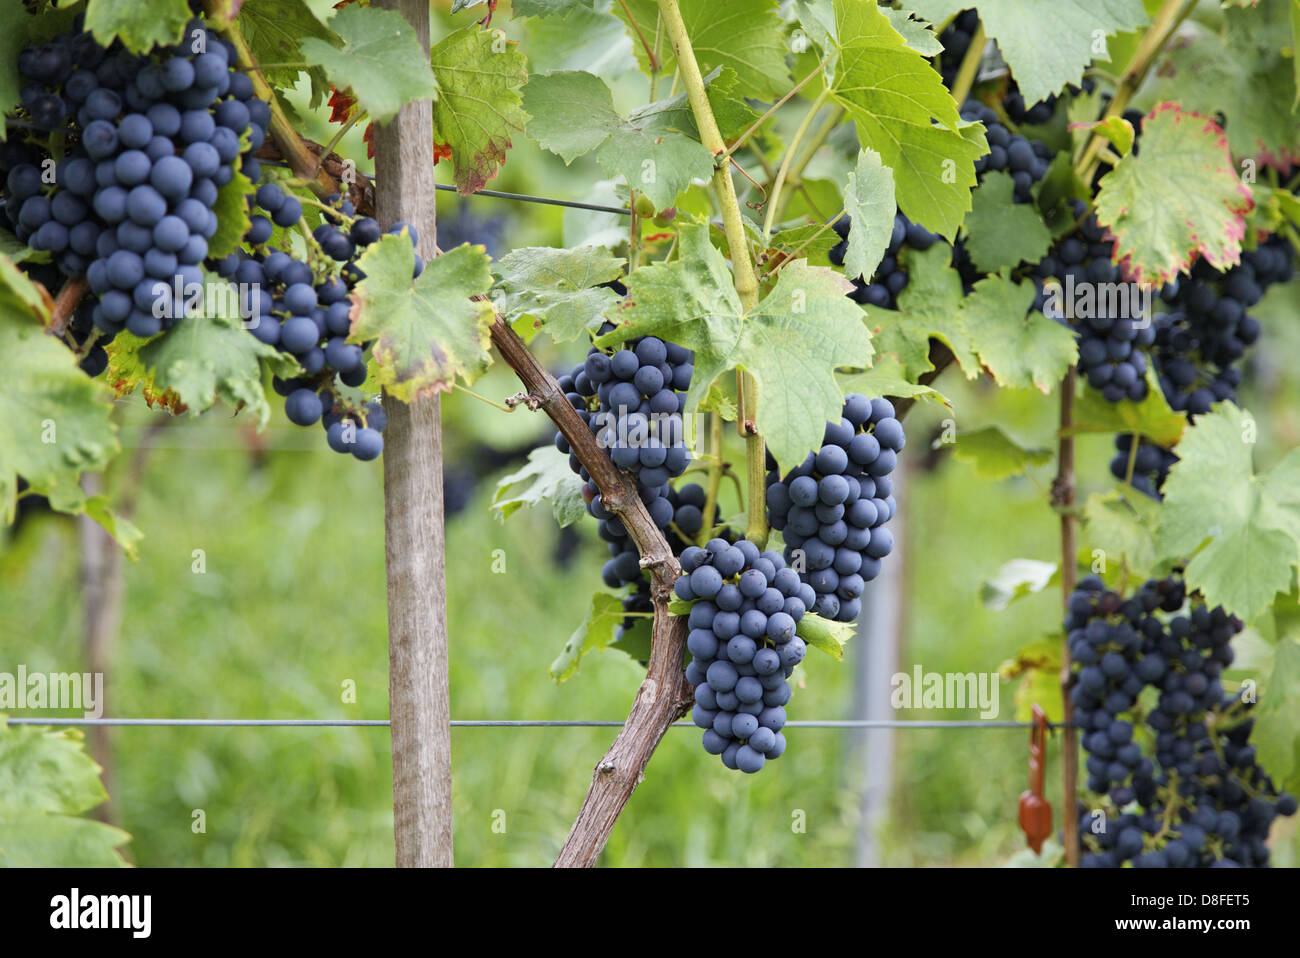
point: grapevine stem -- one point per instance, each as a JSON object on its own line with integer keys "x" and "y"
{"x": 734, "y": 226}
{"x": 282, "y": 133}
{"x": 794, "y": 253}
{"x": 795, "y": 176}
{"x": 1171, "y": 14}
{"x": 970, "y": 65}
{"x": 1063, "y": 496}
{"x": 483, "y": 399}
{"x": 781, "y": 174}
{"x": 332, "y": 145}
{"x": 636, "y": 28}
{"x": 775, "y": 106}
{"x": 713, "y": 432}
{"x": 633, "y": 236}
{"x": 1132, "y": 461}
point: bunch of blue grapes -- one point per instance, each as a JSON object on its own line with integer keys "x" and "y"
{"x": 1025, "y": 159}
{"x": 1112, "y": 348}
{"x": 1151, "y": 464}
{"x": 889, "y": 280}
{"x": 1203, "y": 800}
{"x": 832, "y": 509}
{"x": 632, "y": 398}
{"x": 1207, "y": 329}
{"x": 304, "y": 310}
{"x": 152, "y": 140}
{"x": 746, "y": 608}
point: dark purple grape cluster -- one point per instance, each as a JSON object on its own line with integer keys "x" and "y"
{"x": 1112, "y": 341}
{"x": 832, "y": 509}
{"x": 746, "y": 608}
{"x": 1207, "y": 329}
{"x": 1151, "y": 464}
{"x": 1201, "y": 799}
{"x": 956, "y": 39}
{"x": 889, "y": 279}
{"x": 306, "y": 313}
{"x": 632, "y": 398}
{"x": 152, "y": 140}
{"x": 1025, "y": 159}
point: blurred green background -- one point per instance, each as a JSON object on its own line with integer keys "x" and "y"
{"x": 291, "y": 608}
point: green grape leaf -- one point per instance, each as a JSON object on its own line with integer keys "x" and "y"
{"x": 426, "y": 331}
{"x": 380, "y": 59}
{"x": 812, "y": 243}
{"x": 790, "y": 342}
{"x": 478, "y": 109}
{"x": 1246, "y": 73}
{"x": 991, "y": 327}
{"x": 1275, "y": 735}
{"x": 1015, "y": 580}
{"x": 1122, "y": 525}
{"x": 559, "y": 289}
{"x": 1038, "y": 666}
{"x": 745, "y": 35}
{"x": 274, "y": 30}
{"x": 1179, "y": 198}
{"x": 46, "y": 779}
{"x": 734, "y": 116}
{"x": 1151, "y": 417}
{"x": 869, "y": 201}
{"x": 211, "y": 356}
{"x": 1240, "y": 528}
{"x": 123, "y": 530}
{"x": 538, "y": 8}
{"x": 573, "y": 113}
{"x": 1020, "y": 346}
{"x": 825, "y": 634}
{"x": 1001, "y": 233}
{"x": 140, "y": 24}
{"x": 917, "y": 35}
{"x": 1047, "y": 46}
{"x": 596, "y": 632}
{"x": 233, "y": 217}
{"x": 54, "y": 420}
{"x": 903, "y": 111}
{"x": 995, "y": 455}
{"x": 887, "y": 377}
{"x": 549, "y": 479}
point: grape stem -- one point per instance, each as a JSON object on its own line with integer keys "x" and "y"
{"x": 800, "y": 132}
{"x": 1063, "y": 500}
{"x": 332, "y": 145}
{"x": 746, "y": 280}
{"x": 1132, "y": 461}
{"x": 744, "y": 137}
{"x": 713, "y": 433}
{"x": 654, "y": 63}
{"x": 970, "y": 65}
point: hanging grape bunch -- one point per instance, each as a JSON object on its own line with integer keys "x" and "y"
{"x": 833, "y": 507}
{"x": 632, "y": 399}
{"x": 746, "y": 608}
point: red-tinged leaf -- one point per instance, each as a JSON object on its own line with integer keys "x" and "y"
{"x": 1177, "y": 199}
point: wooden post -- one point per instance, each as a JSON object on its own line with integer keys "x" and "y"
{"x": 414, "y": 536}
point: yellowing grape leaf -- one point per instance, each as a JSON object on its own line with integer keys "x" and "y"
{"x": 1178, "y": 198}
{"x": 478, "y": 109}
{"x": 426, "y": 331}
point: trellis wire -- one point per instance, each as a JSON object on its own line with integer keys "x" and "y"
{"x": 499, "y": 723}
{"x": 498, "y": 194}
